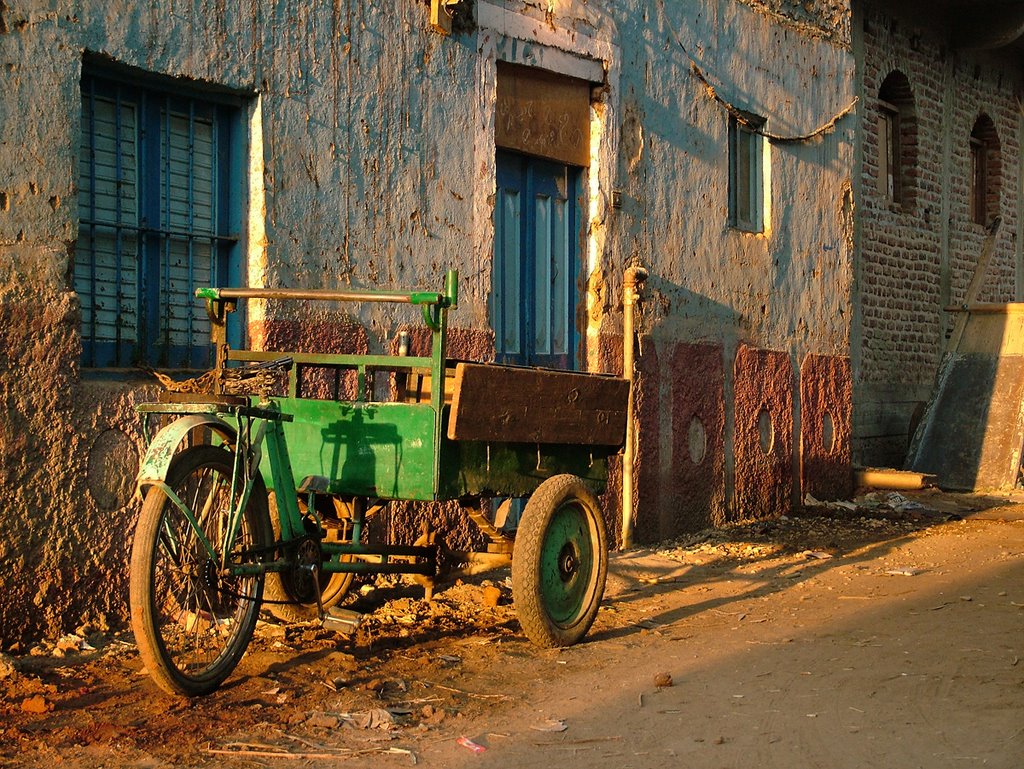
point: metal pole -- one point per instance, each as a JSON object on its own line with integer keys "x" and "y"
{"x": 631, "y": 282}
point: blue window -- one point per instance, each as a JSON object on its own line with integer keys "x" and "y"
{"x": 159, "y": 211}
{"x": 536, "y": 245}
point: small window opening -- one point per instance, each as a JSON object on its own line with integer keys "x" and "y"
{"x": 747, "y": 174}
{"x": 889, "y": 176}
{"x": 158, "y": 193}
{"x": 985, "y": 171}
{"x": 897, "y": 141}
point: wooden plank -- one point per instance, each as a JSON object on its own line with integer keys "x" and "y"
{"x": 509, "y": 404}
{"x": 977, "y": 279}
{"x": 541, "y": 113}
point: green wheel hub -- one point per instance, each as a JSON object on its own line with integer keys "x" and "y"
{"x": 559, "y": 562}
{"x": 566, "y": 563}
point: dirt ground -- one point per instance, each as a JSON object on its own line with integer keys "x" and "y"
{"x": 868, "y": 637}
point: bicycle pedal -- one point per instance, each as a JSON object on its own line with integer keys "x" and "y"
{"x": 341, "y": 620}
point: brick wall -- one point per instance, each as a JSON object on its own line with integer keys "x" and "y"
{"x": 910, "y": 263}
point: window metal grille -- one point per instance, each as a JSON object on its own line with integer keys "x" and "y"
{"x": 153, "y": 223}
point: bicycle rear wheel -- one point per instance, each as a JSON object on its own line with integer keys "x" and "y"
{"x": 192, "y": 624}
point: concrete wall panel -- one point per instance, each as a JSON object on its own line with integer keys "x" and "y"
{"x": 763, "y": 434}
{"x": 698, "y": 437}
{"x": 826, "y": 391}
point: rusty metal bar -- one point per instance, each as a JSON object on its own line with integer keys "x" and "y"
{"x": 415, "y": 297}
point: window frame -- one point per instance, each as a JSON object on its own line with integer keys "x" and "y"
{"x": 890, "y": 152}
{"x": 755, "y": 183}
{"x": 978, "y": 198}
{"x": 985, "y": 171}
{"x": 157, "y": 102}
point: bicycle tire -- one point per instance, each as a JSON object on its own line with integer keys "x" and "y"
{"x": 191, "y": 624}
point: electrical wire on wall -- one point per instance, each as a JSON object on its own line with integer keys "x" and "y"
{"x": 737, "y": 113}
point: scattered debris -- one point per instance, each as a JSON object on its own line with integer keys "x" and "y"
{"x": 323, "y": 720}
{"x": 901, "y": 504}
{"x": 7, "y": 667}
{"x": 491, "y": 596}
{"x": 375, "y": 718}
{"x": 37, "y": 704}
{"x": 258, "y": 750}
{"x": 467, "y": 743}
{"x": 471, "y": 694}
{"x": 811, "y": 501}
{"x": 663, "y": 680}
{"x": 69, "y": 644}
{"x": 550, "y": 725}
{"x": 904, "y": 572}
{"x": 432, "y": 716}
{"x": 819, "y": 555}
{"x": 335, "y": 683}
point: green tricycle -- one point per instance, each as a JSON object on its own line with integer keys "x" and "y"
{"x": 325, "y": 441}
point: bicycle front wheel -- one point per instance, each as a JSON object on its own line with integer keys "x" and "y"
{"x": 192, "y": 624}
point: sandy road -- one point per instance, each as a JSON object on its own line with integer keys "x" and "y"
{"x": 795, "y": 663}
{"x": 811, "y": 642}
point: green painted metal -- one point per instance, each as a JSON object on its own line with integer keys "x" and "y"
{"x": 165, "y": 443}
{"x": 383, "y": 450}
{"x": 324, "y": 295}
{"x": 474, "y": 468}
{"x": 374, "y": 450}
{"x": 189, "y": 516}
{"x": 566, "y": 563}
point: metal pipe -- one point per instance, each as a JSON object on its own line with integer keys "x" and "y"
{"x": 632, "y": 280}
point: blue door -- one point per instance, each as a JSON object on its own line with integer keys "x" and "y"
{"x": 536, "y": 249}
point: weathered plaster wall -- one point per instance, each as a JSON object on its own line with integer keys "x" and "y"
{"x": 826, "y": 400}
{"x": 365, "y": 181}
{"x": 917, "y": 259}
{"x": 372, "y": 163}
{"x": 827, "y": 18}
{"x": 785, "y": 290}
